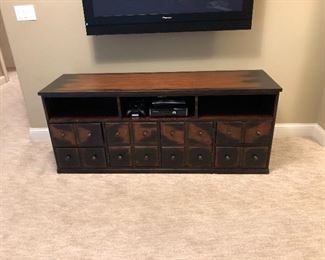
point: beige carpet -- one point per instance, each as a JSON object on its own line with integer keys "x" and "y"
{"x": 49, "y": 216}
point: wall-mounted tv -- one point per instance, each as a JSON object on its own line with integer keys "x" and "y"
{"x": 148, "y": 16}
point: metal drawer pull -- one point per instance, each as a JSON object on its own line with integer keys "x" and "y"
{"x": 62, "y": 133}
{"x": 173, "y": 157}
{"x": 94, "y": 157}
{"x": 228, "y": 157}
{"x": 145, "y": 133}
{"x": 117, "y": 133}
{"x": 200, "y": 133}
{"x": 255, "y": 157}
{"x": 172, "y": 132}
{"x": 89, "y": 134}
{"x": 258, "y": 132}
{"x": 200, "y": 157}
{"x": 146, "y": 156}
{"x": 120, "y": 157}
{"x": 68, "y": 157}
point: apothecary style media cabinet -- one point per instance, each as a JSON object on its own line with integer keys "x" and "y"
{"x": 228, "y": 127}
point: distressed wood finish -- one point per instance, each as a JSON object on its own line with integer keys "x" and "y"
{"x": 185, "y": 82}
{"x": 200, "y": 133}
{"x": 199, "y": 157}
{"x": 63, "y": 135}
{"x": 120, "y": 156}
{"x": 67, "y": 158}
{"x": 256, "y": 157}
{"x": 93, "y": 157}
{"x": 145, "y": 133}
{"x": 117, "y": 133}
{"x": 90, "y": 134}
{"x": 228, "y": 157}
{"x": 229, "y": 133}
{"x": 172, "y": 133}
{"x": 229, "y": 128}
{"x": 173, "y": 157}
{"x": 146, "y": 156}
{"x": 258, "y": 132}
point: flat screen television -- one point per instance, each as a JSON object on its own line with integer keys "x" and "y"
{"x": 148, "y": 16}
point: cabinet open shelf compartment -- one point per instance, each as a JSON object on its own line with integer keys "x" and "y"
{"x": 81, "y": 108}
{"x": 127, "y": 102}
{"x": 236, "y": 106}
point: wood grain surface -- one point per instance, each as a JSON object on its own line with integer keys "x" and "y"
{"x": 119, "y": 83}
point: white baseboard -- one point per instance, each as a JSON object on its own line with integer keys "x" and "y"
{"x": 2, "y": 80}
{"x": 39, "y": 133}
{"x": 313, "y": 131}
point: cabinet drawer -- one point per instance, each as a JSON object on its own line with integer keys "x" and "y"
{"x": 255, "y": 157}
{"x": 172, "y": 133}
{"x": 172, "y": 157}
{"x": 229, "y": 132}
{"x": 93, "y": 157}
{"x": 199, "y": 157}
{"x": 145, "y": 133}
{"x": 258, "y": 132}
{"x": 227, "y": 157}
{"x": 200, "y": 133}
{"x": 67, "y": 157}
{"x": 146, "y": 156}
{"x": 120, "y": 156}
{"x": 90, "y": 134}
{"x": 117, "y": 133}
{"x": 63, "y": 135}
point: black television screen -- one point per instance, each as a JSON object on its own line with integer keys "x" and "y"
{"x": 143, "y": 16}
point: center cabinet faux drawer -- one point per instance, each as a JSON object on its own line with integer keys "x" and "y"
{"x": 229, "y": 132}
{"x": 146, "y": 156}
{"x": 117, "y": 133}
{"x": 120, "y": 156}
{"x": 200, "y": 133}
{"x": 172, "y": 133}
{"x": 145, "y": 133}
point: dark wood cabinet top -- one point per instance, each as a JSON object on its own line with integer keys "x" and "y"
{"x": 171, "y": 83}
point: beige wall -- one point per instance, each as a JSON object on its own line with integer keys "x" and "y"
{"x": 4, "y": 45}
{"x": 321, "y": 118}
{"x": 321, "y": 115}
{"x": 285, "y": 41}
{"x": 1, "y": 72}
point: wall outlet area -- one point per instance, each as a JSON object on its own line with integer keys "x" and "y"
{"x": 25, "y": 12}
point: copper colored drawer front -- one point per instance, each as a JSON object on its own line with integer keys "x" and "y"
{"x": 117, "y": 133}
{"x": 67, "y": 157}
{"x": 199, "y": 157}
{"x": 120, "y": 157}
{"x": 200, "y": 133}
{"x": 172, "y": 157}
{"x": 146, "y": 156}
{"x": 63, "y": 135}
{"x": 258, "y": 132}
{"x": 228, "y": 157}
{"x": 256, "y": 157}
{"x": 172, "y": 134}
{"x": 229, "y": 132}
{"x": 93, "y": 157}
{"x": 145, "y": 133}
{"x": 90, "y": 134}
